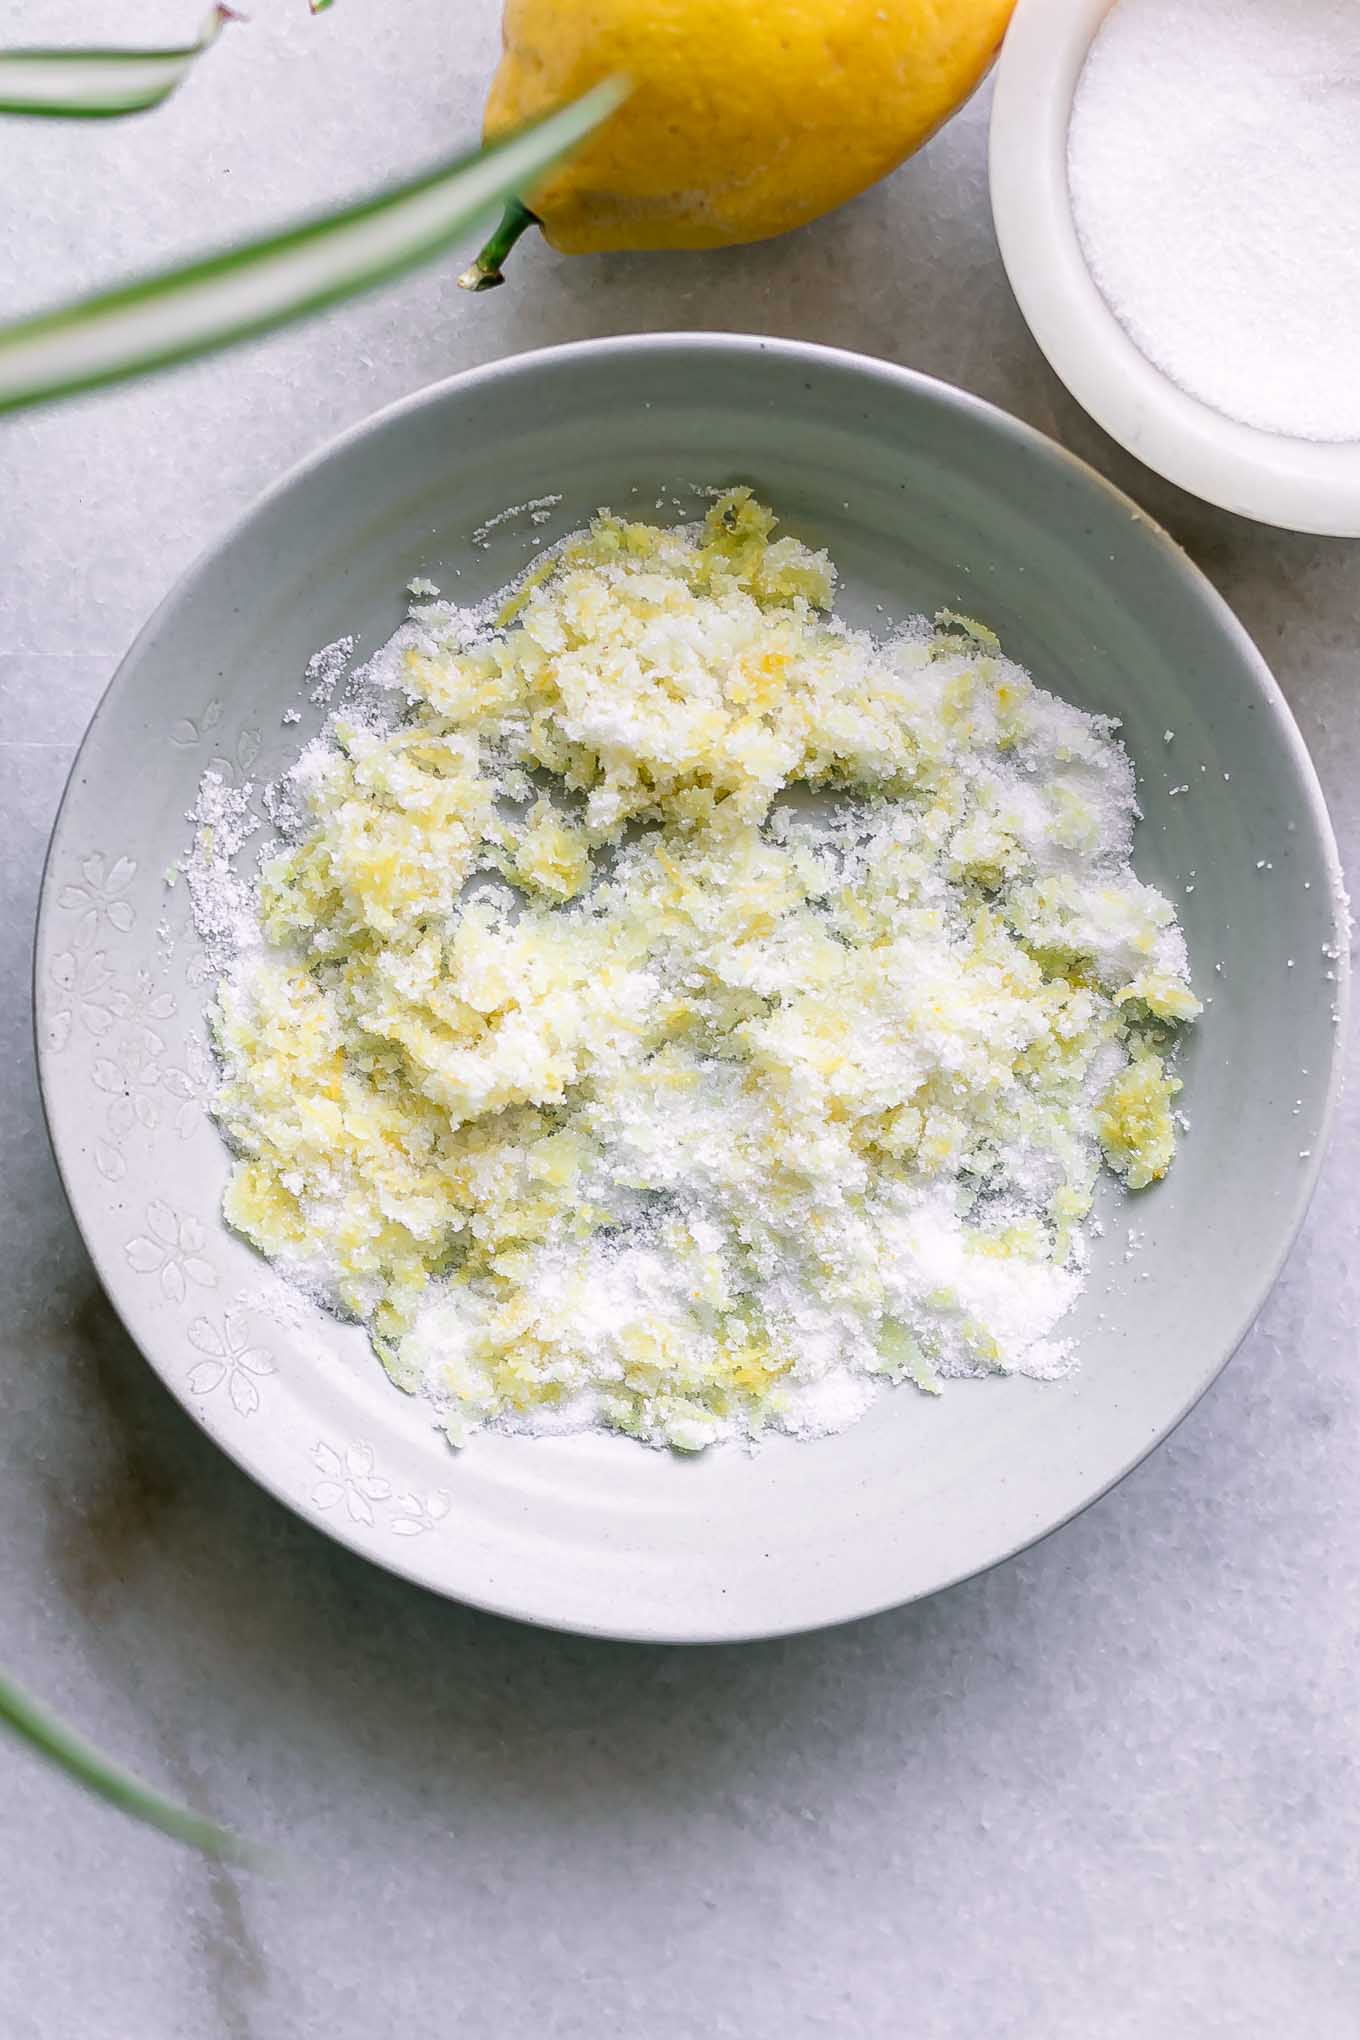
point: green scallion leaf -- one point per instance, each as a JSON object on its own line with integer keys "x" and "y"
{"x": 98, "y": 84}
{"x": 177, "y": 313}
{"x": 81, "y": 1761}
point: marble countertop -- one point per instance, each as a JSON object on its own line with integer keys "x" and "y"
{"x": 1110, "y": 1789}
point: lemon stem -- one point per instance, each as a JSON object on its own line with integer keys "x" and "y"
{"x": 485, "y": 272}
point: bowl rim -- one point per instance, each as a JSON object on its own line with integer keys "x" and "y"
{"x": 1297, "y": 484}
{"x": 402, "y": 1562}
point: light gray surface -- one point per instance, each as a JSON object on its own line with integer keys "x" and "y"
{"x": 1110, "y": 1789}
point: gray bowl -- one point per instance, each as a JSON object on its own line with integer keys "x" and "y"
{"x": 926, "y": 498}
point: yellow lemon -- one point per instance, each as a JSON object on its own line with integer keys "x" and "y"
{"x": 746, "y": 117}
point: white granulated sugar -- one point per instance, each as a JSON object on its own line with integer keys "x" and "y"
{"x": 670, "y": 1010}
{"x": 1214, "y": 168}
{"x": 222, "y": 899}
{"x": 326, "y": 668}
{"x": 538, "y": 509}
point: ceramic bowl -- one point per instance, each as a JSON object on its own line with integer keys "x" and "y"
{"x": 926, "y": 498}
{"x": 1296, "y": 483}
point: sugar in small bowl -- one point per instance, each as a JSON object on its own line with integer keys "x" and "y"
{"x": 1176, "y": 194}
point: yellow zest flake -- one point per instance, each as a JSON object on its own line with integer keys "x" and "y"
{"x": 1134, "y": 1121}
{"x": 552, "y": 857}
{"x": 1170, "y": 998}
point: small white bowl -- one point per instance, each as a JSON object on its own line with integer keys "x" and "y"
{"x": 1297, "y": 483}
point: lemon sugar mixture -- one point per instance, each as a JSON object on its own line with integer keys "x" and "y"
{"x": 610, "y": 1078}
